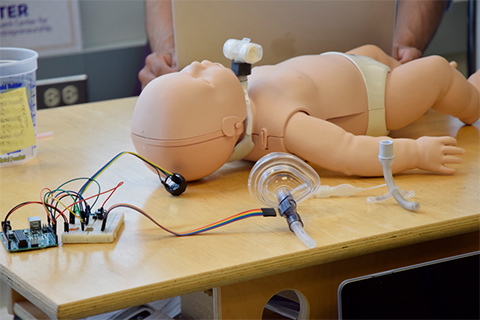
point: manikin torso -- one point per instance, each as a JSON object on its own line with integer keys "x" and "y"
{"x": 311, "y": 84}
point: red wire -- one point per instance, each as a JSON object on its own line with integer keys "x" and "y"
{"x": 44, "y": 204}
{"x": 113, "y": 191}
{"x": 35, "y": 202}
{"x": 95, "y": 195}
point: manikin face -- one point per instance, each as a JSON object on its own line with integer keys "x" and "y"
{"x": 210, "y": 80}
{"x": 208, "y": 72}
{"x": 189, "y": 121}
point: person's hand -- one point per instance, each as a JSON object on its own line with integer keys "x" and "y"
{"x": 156, "y": 64}
{"x": 435, "y": 152}
{"x": 405, "y": 54}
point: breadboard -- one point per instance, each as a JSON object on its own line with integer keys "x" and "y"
{"x": 92, "y": 232}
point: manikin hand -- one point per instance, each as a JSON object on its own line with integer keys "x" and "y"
{"x": 435, "y": 152}
{"x": 156, "y": 64}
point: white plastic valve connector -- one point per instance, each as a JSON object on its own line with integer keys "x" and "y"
{"x": 242, "y": 51}
{"x": 386, "y": 150}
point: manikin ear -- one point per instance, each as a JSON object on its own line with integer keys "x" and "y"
{"x": 230, "y": 125}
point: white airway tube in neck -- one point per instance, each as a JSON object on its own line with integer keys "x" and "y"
{"x": 246, "y": 145}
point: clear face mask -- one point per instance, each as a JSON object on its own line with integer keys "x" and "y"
{"x": 281, "y": 180}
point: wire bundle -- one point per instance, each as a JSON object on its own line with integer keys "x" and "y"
{"x": 236, "y": 217}
{"x": 109, "y": 163}
{"x": 51, "y": 200}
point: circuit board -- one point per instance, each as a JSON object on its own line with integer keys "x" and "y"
{"x": 92, "y": 232}
{"x": 40, "y": 237}
{"x": 25, "y": 239}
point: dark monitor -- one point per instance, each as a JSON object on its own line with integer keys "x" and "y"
{"x": 442, "y": 289}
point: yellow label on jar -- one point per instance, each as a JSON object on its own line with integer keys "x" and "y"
{"x": 16, "y": 126}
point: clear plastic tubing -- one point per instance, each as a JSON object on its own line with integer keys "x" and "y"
{"x": 388, "y": 195}
{"x": 386, "y": 159}
{"x": 288, "y": 209}
{"x": 297, "y": 228}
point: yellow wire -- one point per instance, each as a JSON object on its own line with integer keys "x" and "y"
{"x": 117, "y": 157}
{"x": 68, "y": 208}
{"x": 149, "y": 162}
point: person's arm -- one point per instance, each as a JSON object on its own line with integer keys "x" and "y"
{"x": 415, "y": 25}
{"x": 159, "y": 27}
{"x": 332, "y": 148}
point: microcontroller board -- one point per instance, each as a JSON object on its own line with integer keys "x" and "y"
{"x": 35, "y": 237}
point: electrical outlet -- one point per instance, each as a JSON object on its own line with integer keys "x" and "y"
{"x": 56, "y": 92}
{"x": 52, "y": 97}
{"x": 70, "y": 94}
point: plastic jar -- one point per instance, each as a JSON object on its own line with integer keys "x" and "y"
{"x": 17, "y": 70}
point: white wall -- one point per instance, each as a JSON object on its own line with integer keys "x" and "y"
{"x": 112, "y": 24}
{"x": 114, "y": 38}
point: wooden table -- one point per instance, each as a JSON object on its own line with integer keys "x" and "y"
{"x": 247, "y": 261}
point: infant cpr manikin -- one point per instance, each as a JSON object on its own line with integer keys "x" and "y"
{"x": 315, "y": 107}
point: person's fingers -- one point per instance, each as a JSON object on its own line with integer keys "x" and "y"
{"x": 159, "y": 64}
{"x": 406, "y": 54}
{"x": 156, "y": 64}
{"x": 145, "y": 76}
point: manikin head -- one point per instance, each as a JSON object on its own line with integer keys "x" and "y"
{"x": 189, "y": 121}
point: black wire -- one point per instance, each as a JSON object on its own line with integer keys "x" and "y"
{"x": 75, "y": 199}
{"x": 34, "y": 202}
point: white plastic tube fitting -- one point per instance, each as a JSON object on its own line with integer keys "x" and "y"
{"x": 243, "y": 51}
{"x": 386, "y": 159}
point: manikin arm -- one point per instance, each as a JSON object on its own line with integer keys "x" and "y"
{"x": 331, "y": 147}
{"x": 159, "y": 27}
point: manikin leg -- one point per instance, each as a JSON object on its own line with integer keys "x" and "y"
{"x": 425, "y": 83}
{"x": 430, "y": 82}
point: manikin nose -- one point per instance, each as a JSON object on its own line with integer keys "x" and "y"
{"x": 195, "y": 68}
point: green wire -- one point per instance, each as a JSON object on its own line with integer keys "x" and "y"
{"x": 73, "y": 197}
